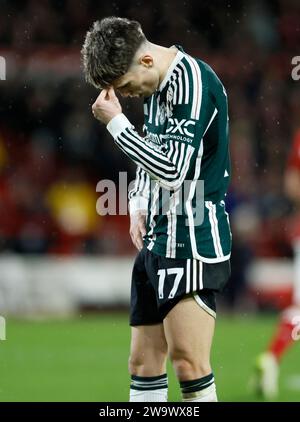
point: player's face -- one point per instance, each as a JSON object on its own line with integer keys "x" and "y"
{"x": 141, "y": 80}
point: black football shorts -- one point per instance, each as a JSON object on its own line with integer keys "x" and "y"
{"x": 159, "y": 283}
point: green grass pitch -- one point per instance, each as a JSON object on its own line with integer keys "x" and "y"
{"x": 85, "y": 359}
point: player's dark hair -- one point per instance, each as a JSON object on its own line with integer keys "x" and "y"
{"x": 109, "y": 48}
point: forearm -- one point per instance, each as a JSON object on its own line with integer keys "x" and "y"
{"x": 168, "y": 168}
{"x": 139, "y": 195}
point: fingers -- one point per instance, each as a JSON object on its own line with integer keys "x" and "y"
{"x": 108, "y": 94}
{"x": 111, "y": 91}
{"x": 99, "y": 100}
{"x": 137, "y": 229}
{"x": 139, "y": 243}
{"x": 143, "y": 230}
{"x": 105, "y": 94}
{"x": 101, "y": 96}
{"x": 137, "y": 237}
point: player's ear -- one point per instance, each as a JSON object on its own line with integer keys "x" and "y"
{"x": 146, "y": 60}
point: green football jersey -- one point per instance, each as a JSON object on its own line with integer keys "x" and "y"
{"x": 183, "y": 163}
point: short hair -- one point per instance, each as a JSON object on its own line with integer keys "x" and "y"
{"x": 109, "y": 49}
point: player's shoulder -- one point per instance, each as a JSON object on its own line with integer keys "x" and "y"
{"x": 191, "y": 65}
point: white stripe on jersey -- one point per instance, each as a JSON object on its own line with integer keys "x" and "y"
{"x": 186, "y": 83}
{"x": 175, "y": 92}
{"x": 137, "y": 184}
{"x": 143, "y": 144}
{"x": 177, "y": 201}
{"x": 171, "y": 88}
{"x": 176, "y": 152}
{"x": 197, "y": 88}
{"x": 155, "y": 167}
{"x": 194, "y": 275}
{"x": 189, "y": 201}
{"x": 188, "y": 276}
{"x": 173, "y": 236}
{"x": 142, "y": 181}
{"x": 172, "y": 225}
{"x": 170, "y": 152}
{"x": 169, "y": 233}
{"x": 145, "y": 109}
{"x": 181, "y": 159}
{"x": 227, "y": 216}
{"x": 151, "y": 109}
{"x": 177, "y": 85}
{"x": 192, "y": 193}
{"x": 147, "y": 184}
{"x": 157, "y": 112}
{"x": 172, "y": 214}
{"x": 188, "y": 156}
{"x": 145, "y": 164}
{"x": 170, "y": 172}
{"x": 154, "y": 209}
{"x": 214, "y": 228}
{"x": 180, "y": 87}
{"x": 141, "y": 185}
{"x": 200, "y": 263}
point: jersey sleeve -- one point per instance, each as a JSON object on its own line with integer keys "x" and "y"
{"x": 189, "y": 114}
{"x": 139, "y": 195}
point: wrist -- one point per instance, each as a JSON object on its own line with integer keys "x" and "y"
{"x": 118, "y": 124}
{"x": 112, "y": 117}
{"x": 138, "y": 204}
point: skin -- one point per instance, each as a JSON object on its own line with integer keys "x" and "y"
{"x": 148, "y": 69}
{"x": 179, "y": 336}
{"x": 292, "y": 185}
{"x": 137, "y": 228}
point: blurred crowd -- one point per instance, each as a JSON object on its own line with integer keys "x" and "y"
{"x": 53, "y": 153}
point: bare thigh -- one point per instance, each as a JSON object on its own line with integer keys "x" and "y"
{"x": 189, "y": 331}
{"x": 148, "y": 351}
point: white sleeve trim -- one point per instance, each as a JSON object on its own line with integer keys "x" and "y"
{"x": 118, "y": 124}
{"x": 138, "y": 203}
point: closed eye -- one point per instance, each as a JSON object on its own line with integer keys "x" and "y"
{"x": 124, "y": 86}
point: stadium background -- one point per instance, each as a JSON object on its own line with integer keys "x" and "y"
{"x": 64, "y": 270}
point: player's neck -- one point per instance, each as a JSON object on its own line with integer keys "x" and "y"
{"x": 163, "y": 57}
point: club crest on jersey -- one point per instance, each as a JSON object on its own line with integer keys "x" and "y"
{"x": 162, "y": 114}
{"x": 169, "y": 108}
{"x": 181, "y": 126}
